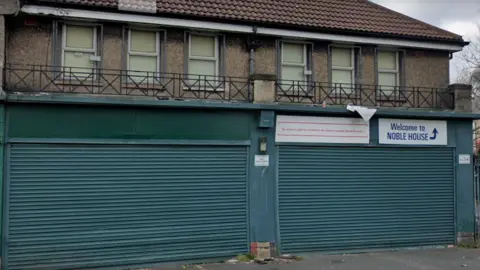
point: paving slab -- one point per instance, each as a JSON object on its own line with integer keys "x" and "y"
{"x": 425, "y": 259}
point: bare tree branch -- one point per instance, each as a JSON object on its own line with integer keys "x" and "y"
{"x": 469, "y": 71}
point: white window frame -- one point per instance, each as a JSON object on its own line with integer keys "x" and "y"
{"x": 304, "y": 64}
{"x": 395, "y": 71}
{"x": 155, "y": 54}
{"x": 351, "y": 68}
{"x": 73, "y": 49}
{"x": 204, "y": 58}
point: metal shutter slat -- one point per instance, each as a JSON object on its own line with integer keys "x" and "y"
{"x": 333, "y": 198}
{"x": 80, "y": 206}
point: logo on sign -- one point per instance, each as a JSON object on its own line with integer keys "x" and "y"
{"x": 413, "y": 132}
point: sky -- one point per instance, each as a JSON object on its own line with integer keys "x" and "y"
{"x": 458, "y": 16}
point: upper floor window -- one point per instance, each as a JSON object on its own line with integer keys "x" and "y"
{"x": 388, "y": 71}
{"x": 143, "y": 56}
{"x": 343, "y": 67}
{"x": 203, "y": 59}
{"x": 294, "y": 62}
{"x": 79, "y": 50}
{"x": 294, "y": 67}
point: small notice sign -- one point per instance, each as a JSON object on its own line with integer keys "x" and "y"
{"x": 463, "y": 159}
{"x": 261, "y": 160}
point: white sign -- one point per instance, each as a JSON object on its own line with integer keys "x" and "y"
{"x": 412, "y": 132}
{"x": 463, "y": 159}
{"x": 310, "y": 129}
{"x": 261, "y": 160}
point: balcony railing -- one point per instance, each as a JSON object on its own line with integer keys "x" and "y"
{"x": 53, "y": 79}
{"x": 365, "y": 95}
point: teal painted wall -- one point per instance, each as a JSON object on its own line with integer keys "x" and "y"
{"x": 262, "y": 186}
{"x": 459, "y": 138}
{"x": 62, "y": 121}
{"x": 464, "y": 177}
{"x": 104, "y": 122}
{"x": 2, "y": 151}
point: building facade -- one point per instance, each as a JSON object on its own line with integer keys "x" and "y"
{"x": 142, "y": 132}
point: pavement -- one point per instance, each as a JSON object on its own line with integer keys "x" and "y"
{"x": 426, "y": 259}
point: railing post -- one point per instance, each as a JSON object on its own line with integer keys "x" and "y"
{"x": 264, "y": 88}
{"x": 462, "y": 97}
{"x": 413, "y": 93}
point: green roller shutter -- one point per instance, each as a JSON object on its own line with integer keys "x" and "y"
{"x": 89, "y": 206}
{"x": 334, "y": 199}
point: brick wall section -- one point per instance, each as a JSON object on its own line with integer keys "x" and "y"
{"x": 423, "y": 68}
{"x": 175, "y": 49}
{"x": 112, "y": 56}
{"x": 40, "y": 51}
{"x": 6, "y": 7}
{"x": 32, "y": 45}
{"x": 320, "y": 66}
{"x": 427, "y": 68}
{"x": 320, "y": 62}
{"x": 237, "y": 57}
{"x": 265, "y": 57}
{"x": 28, "y": 45}
{"x": 368, "y": 77}
{"x": 112, "y": 47}
{"x": 368, "y": 65}
{"x": 2, "y": 48}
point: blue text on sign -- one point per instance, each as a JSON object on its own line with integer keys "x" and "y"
{"x": 418, "y": 134}
{"x": 403, "y": 136}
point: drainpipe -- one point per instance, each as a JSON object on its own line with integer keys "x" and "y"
{"x": 19, "y": 5}
{"x": 251, "y": 71}
{"x": 252, "y": 46}
{"x": 252, "y": 61}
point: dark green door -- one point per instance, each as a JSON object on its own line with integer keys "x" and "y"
{"x": 81, "y": 206}
{"x": 336, "y": 199}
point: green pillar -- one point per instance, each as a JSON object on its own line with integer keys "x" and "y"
{"x": 465, "y": 200}
{"x": 2, "y": 151}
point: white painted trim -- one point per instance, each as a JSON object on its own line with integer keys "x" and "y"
{"x": 395, "y": 71}
{"x": 73, "y": 49}
{"x": 357, "y": 39}
{"x": 214, "y": 26}
{"x": 351, "y": 68}
{"x": 214, "y": 59}
{"x": 142, "y": 53}
{"x": 134, "y": 18}
{"x": 290, "y": 64}
{"x": 156, "y": 54}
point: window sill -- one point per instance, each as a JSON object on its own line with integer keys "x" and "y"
{"x": 342, "y": 96}
{"x": 203, "y": 89}
{"x": 144, "y": 86}
{"x": 305, "y": 95}
{"x": 85, "y": 83}
{"x": 295, "y": 93}
{"x": 394, "y": 99}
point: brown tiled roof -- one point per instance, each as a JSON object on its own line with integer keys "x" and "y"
{"x": 336, "y": 15}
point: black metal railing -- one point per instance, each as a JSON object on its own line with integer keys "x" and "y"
{"x": 362, "y": 94}
{"x": 54, "y": 79}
